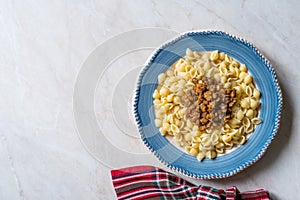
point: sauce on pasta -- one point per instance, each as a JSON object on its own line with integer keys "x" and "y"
{"x": 203, "y": 89}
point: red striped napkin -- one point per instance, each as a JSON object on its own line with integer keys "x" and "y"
{"x": 147, "y": 182}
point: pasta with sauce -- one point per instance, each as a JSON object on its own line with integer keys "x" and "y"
{"x": 208, "y": 102}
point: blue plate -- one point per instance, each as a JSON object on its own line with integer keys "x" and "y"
{"x": 266, "y": 81}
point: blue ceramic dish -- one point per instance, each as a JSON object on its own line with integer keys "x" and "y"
{"x": 266, "y": 81}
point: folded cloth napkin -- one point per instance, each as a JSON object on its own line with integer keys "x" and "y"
{"x": 147, "y": 182}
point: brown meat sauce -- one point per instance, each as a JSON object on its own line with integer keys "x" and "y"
{"x": 209, "y": 104}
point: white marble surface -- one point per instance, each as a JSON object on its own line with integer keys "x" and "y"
{"x": 43, "y": 46}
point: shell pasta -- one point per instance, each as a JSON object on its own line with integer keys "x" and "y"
{"x": 208, "y": 102}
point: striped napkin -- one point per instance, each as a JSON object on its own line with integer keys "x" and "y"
{"x": 147, "y": 182}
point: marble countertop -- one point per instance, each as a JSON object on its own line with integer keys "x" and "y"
{"x": 45, "y": 153}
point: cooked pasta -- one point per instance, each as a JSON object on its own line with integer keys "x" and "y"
{"x": 223, "y": 103}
